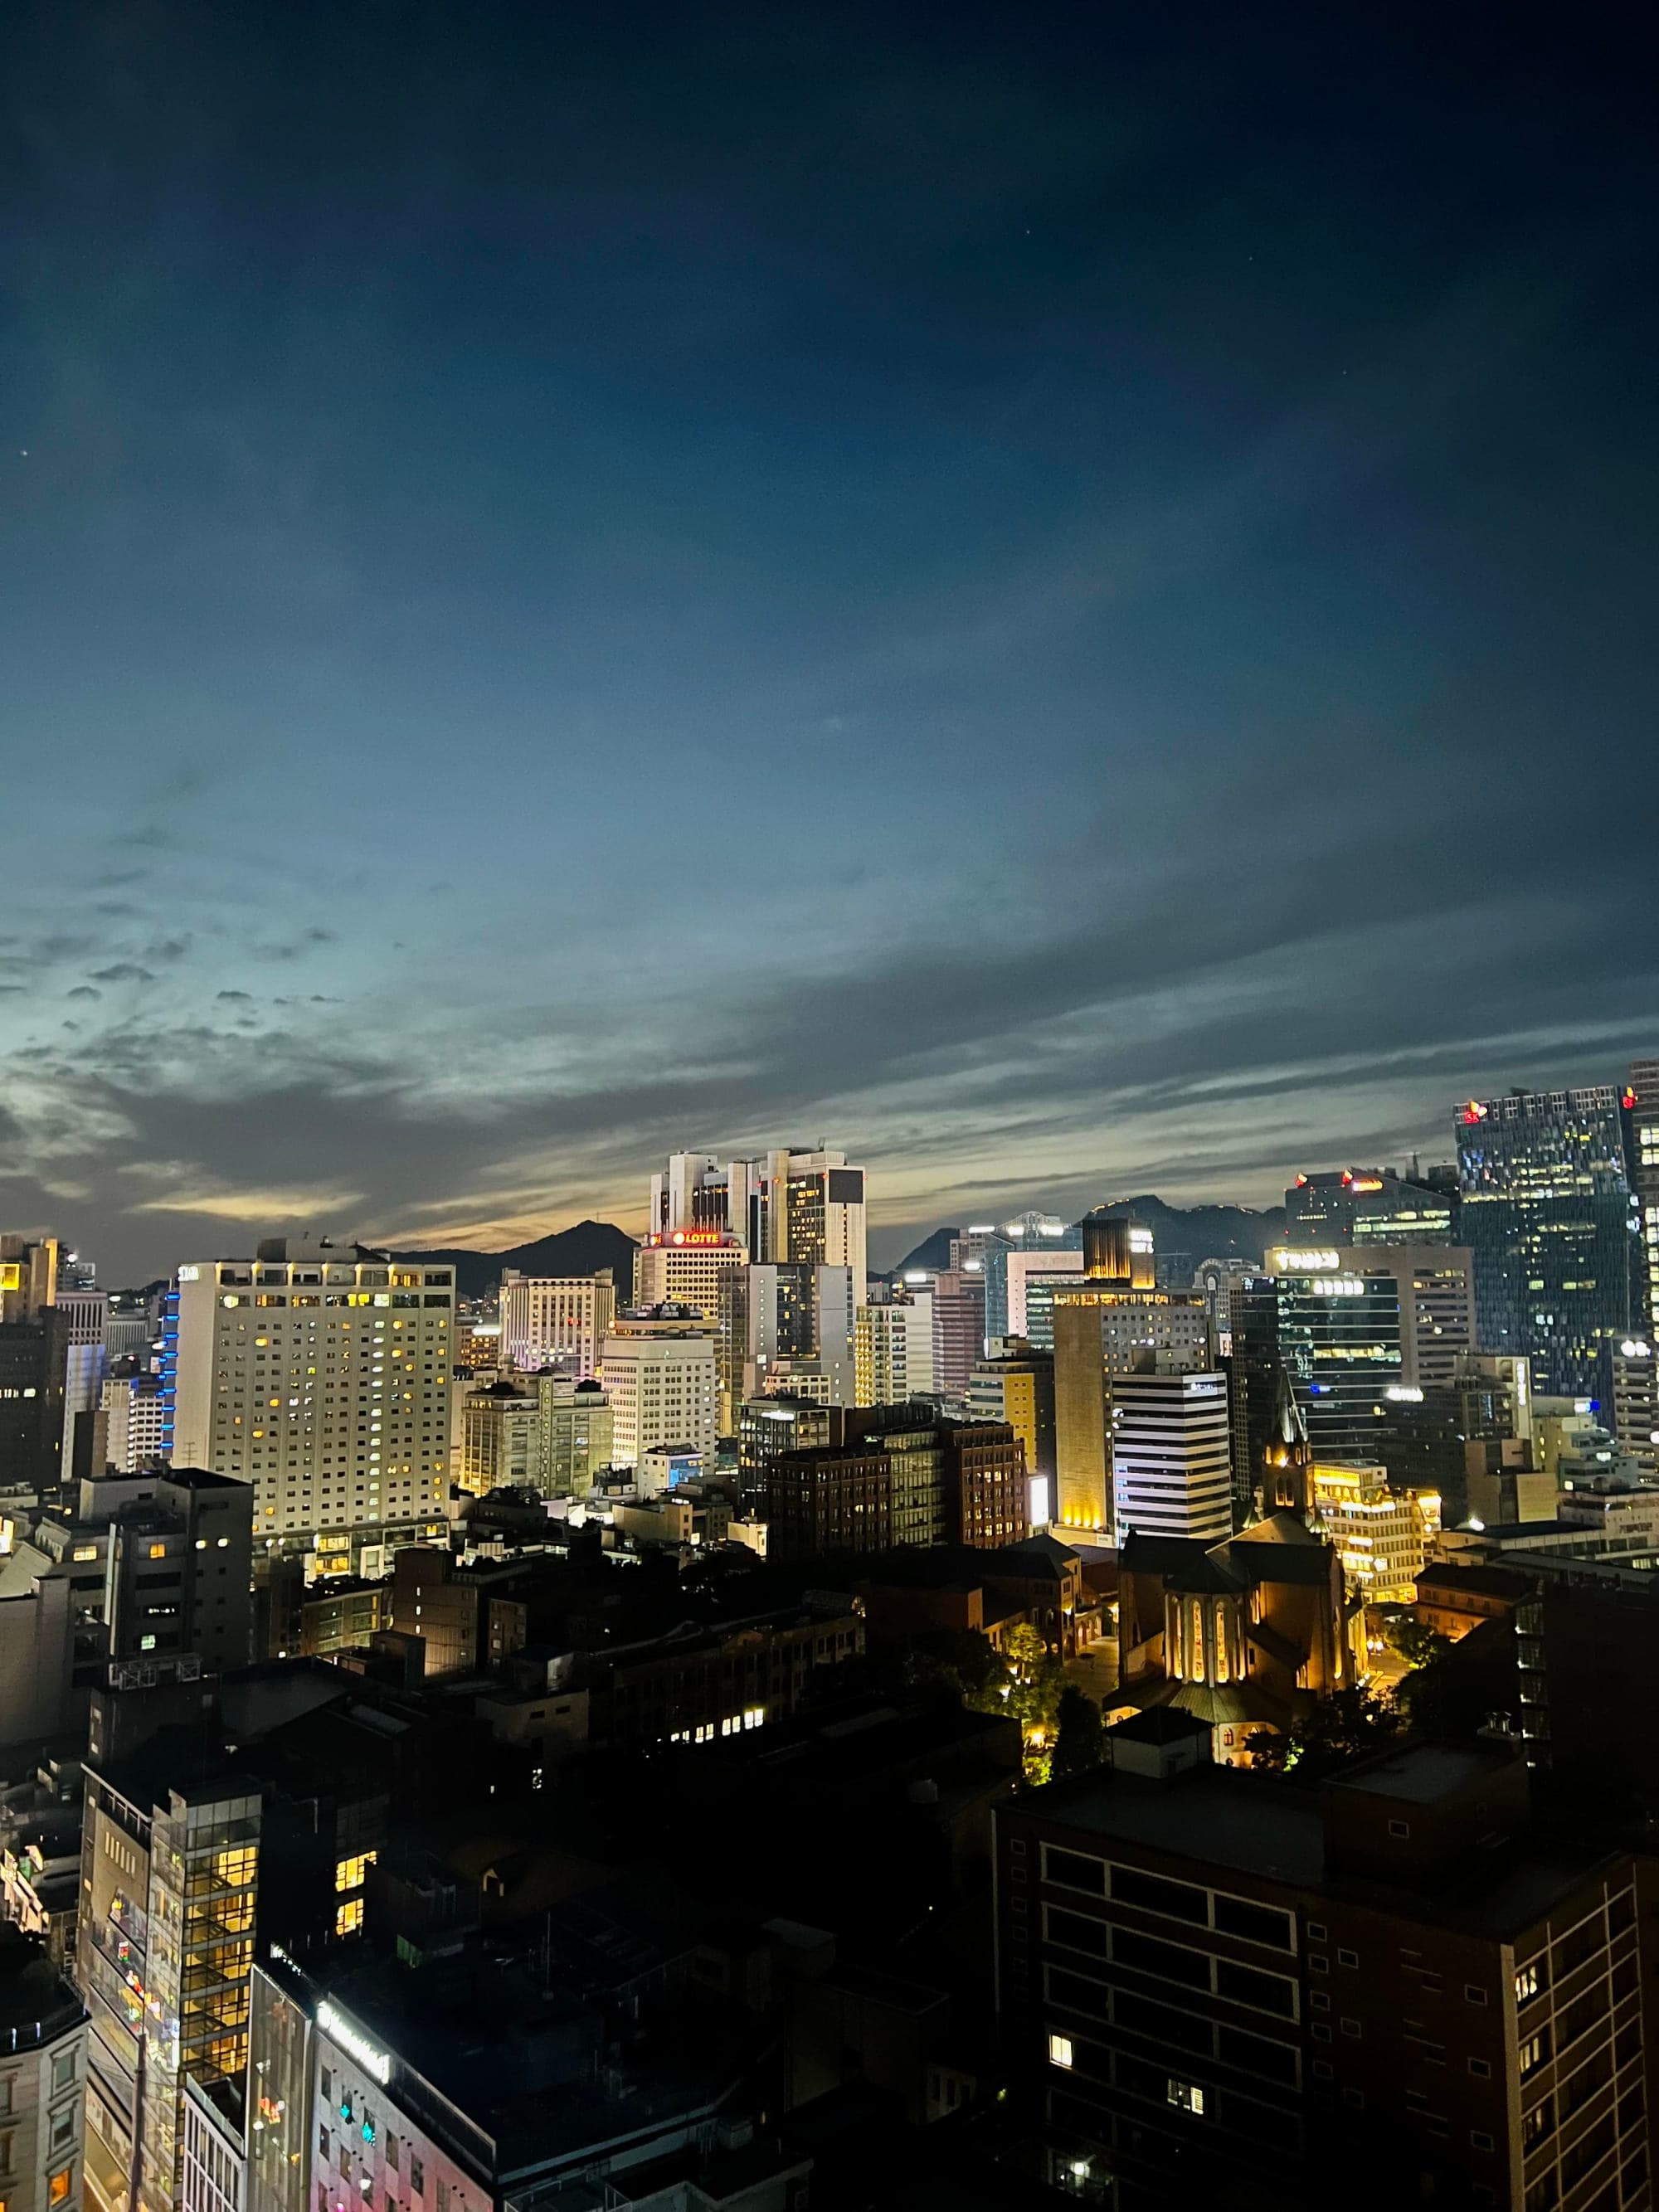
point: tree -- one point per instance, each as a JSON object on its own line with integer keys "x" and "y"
{"x": 1026, "y": 1650}
{"x": 1416, "y": 1644}
{"x": 1346, "y": 1726}
{"x": 1078, "y": 1732}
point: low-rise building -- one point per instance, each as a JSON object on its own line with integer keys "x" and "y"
{"x": 43, "y": 2079}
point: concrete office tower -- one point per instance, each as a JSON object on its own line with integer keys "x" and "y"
{"x": 1170, "y": 1469}
{"x": 685, "y": 1267}
{"x": 658, "y": 1372}
{"x": 555, "y": 1321}
{"x": 894, "y": 1350}
{"x": 1435, "y": 1285}
{"x": 320, "y": 1373}
{"x": 134, "y": 1413}
{"x": 1106, "y": 1326}
{"x": 1364, "y": 1205}
{"x": 1639, "y": 1116}
{"x": 1015, "y": 1383}
{"x": 498, "y": 1439}
{"x": 1030, "y": 1244}
{"x": 573, "y": 1436}
{"x": 1546, "y": 1208}
{"x": 787, "y": 1327}
{"x": 1218, "y": 1279}
{"x": 781, "y": 1205}
{"x": 958, "y": 1335}
{"x": 43, "y": 2078}
{"x": 169, "y": 1872}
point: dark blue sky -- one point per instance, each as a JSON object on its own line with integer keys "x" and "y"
{"x": 1062, "y": 597}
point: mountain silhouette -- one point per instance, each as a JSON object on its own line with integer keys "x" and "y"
{"x": 581, "y": 1250}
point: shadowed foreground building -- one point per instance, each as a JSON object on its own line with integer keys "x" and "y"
{"x": 1217, "y": 1988}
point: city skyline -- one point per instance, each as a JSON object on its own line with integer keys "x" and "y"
{"x": 1005, "y": 596}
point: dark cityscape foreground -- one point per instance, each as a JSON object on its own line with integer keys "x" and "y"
{"x": 1068, "y": 1718}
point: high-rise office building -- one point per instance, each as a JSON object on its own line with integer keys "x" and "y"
{"x": 1365, "y": 1205}
{"x": 1546, "y": 1208}
{"x": 33, "y": 1362}
{"x": 1639, "y": 1110}
{"x": 319, "y": 1373}
{"x": 787, "y": 1327}
{"x": 169, "y": 1870}
{"x": 959, "y": 1333}
{"x": 500, "y": 1439}
{"x": 658, "y": 1371}
{"x": 133, "y": 1406}
{"x": 1032, "y": 1244}
{"x": 685, "y": 1267}
{"x": 1340, "y": 1334}
{"x": 781, "y": 1205}
{"x": 573, "y": 1436}
{"x": 893, "y": 1349}
{"x": 1630, "y": 1398}
{"x": 555, "y": 1321}
{"x": 1106, "y": 1325}
{"x": 1171, "y": 1473}
{"x": 1015, "y": 1383}
{"x": 1434, "y": 1286}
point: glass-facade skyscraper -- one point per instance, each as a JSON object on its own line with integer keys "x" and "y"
{"x": 1546, "y": 1207}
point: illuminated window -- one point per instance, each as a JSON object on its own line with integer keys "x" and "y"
{"x": 60, "y": 2185}
{"x": 349, "y": 1873}
{"x": 1526, "y": 1982}
{"x": 1060, "y": 2050}
{"x": 349, "y": 1917}
{"x": 158, "y": 1550}
{"x": 1188, "y": 2096}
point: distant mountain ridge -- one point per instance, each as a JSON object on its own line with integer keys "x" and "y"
{"x": 582, "y": 1250}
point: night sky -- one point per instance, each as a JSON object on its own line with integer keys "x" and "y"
{"x": 1064, "y": 597}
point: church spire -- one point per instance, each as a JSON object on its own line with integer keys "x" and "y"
{"x": 1288, "y": 1474}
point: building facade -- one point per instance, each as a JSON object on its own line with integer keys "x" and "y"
{"x": 893, "y": 1350}
{"x": 321, "y": 1374}
{"x": 685, "y": 1267}
{"x": 658, "y": 1373}
{"x": 555, "y": 1321}
{"x": 1171, "y": 1474}
{"x": 1546, "y": 1208}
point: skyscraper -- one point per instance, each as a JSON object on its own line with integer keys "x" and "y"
{"x": 894, "y": 1349}
{"x": 782, "y": 1205}
{"x": 1170, "y": 1475}
{"x": 658, "y": 1369}
{"x": 555, "y": 1321}
{"x": 1105, "y": 1325}
{"x": 1032, "y": 1243}
{"x": 1546, "y": 1208}
{"x": 1639, "y": 1104}
{"x": 685, "y": 1267}
{"x": 1362, "y": 1206}
{"x": 1340, "y": 1338}
{"x": 787, "y": 1327}
{"x": 320, "y": 1373}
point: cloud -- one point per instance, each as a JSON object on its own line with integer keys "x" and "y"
{"x": 122, "y": 971}
{"x": 83, "y": 991}
{"x": 233, "y": 994}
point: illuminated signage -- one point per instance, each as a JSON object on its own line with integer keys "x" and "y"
{"x": 353, "y": 2040}
{"x": 1282, "y": 1261}
{"x": 1474, "y": 1112}
{"x": 1404, "y": 1395}
{"x": 1633, "y": 1348}
{"x": 695, "y": 1240}
{"x": 1367, "y": 1182}
{"x": 982, "y": 1228}
{"x": 190, "y": 1274}
{"x": 1337, "y": 1286}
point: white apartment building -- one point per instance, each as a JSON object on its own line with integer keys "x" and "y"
{"x": 894, "y": 1350}
{"x": 659, "y": 1377}
{"x": 500, "y": 1437}
{"x": 555, "y": 1321}
{"x": 321, "y": 1374}
{"x": 1171, "y": 1464}
{"x": 685, "y": 1267}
